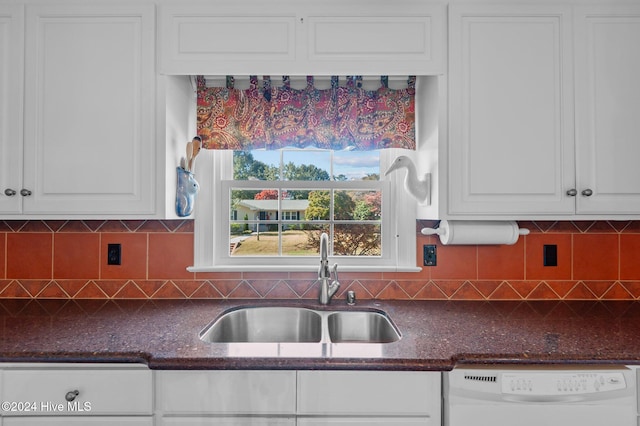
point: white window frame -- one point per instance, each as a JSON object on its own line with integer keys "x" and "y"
{"x": 211, "y": 252}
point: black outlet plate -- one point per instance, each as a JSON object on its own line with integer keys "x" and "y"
{"x": 550, "y": 255}
{"x": 430, "y": 256}
{"x": 114, "y": 254}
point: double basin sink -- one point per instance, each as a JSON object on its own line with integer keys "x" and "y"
{"x": 274, "y": 324}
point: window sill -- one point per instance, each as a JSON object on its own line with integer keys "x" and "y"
{"x": 300, "y": 268}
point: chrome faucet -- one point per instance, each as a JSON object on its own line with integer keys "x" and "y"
{"x": 324, "y": 275}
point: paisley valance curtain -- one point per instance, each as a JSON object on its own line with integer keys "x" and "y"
{"x": 274, "y": 116}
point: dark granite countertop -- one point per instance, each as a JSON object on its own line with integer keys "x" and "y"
{"x": 436, "y": 335}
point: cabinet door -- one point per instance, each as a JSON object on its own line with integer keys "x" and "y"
{"x": 229, "y": 38}
{"x": 365, "y": 394}
{"x": 89, "y": 109}
{"x": 331, "y": 37}
{"x": 608, "y": 109}
{"x": 226, "y": 393}
{"x": 11, "y": 84}
{"x": 398, "y": 38}
{"x": 102, "y": 390}
{"x": 511, "y": 116}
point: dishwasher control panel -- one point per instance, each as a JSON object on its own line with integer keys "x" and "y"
{"x": 561, "y": 383}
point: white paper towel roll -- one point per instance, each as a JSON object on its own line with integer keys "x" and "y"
{"x": 465, "y": 232}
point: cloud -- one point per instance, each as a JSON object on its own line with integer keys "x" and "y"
{"x": 357, "y": 160}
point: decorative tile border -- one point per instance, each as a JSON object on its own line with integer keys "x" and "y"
{"x": 286, "y": 289}
{"x": 153, "y": 279}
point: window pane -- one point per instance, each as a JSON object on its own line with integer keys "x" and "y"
{"x": 357, "y": 205}
{"x": 357, "y": 240}
{"x": 306, "y": 165}
{"x": 254, "y": 205}
{"x": 256, "y": 165}
{"x": 319, "y": 205}
{"x": 262, "y": 243}
{"x": 302, "y": 239}
{"x": 356, "y": 165}
{"x": 239, "y": 198}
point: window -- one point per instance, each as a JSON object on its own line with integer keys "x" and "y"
{"x": 270, "y": 216}
{"x": 287, "y": 198}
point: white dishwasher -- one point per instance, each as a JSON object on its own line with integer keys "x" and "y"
{"x": 540, "y": 397}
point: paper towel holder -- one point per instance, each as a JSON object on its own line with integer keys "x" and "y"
{"x": 477, "y": 232}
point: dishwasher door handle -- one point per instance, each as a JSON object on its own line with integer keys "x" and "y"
{"x": 543, "y": 399}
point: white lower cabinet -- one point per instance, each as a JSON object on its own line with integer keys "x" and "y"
{"x": 123, "y": 394}
{"x": 261, "y": 398}
{"x": 93, "y": 421}
{"x": 306, "y": 398}
{"x": 227, "y": 421}
{"x": 60, "y": 394}
{"x": 348, "y": 421}
{"x": 369, "y": 397}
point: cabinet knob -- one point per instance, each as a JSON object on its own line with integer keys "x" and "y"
{"x": 587, "y": 193}
{"x": 70, "y": 396}
{"x": 25, "y": 192}
{"x": 9, "y": 192}
{"x": 572, "y": 192}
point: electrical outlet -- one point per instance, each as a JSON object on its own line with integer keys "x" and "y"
{"x": 550, "y": 255}
{"x": 430, "y": 257}
{"x": 114, "y": 254}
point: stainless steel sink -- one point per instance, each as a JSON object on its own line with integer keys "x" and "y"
{"x": 300, "y": 325}
{"x": 361, "y": 327}
{"x": 265, "y": 324}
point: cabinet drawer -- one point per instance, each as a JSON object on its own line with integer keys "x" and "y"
{"x": 227, "y": 392}
{"x": 369, "y": 393}
{"x": 353, "y": 421}
{"x": 101, "y": 390}
{"x": 227, "y": 421}
{"x": 93, "y": 421}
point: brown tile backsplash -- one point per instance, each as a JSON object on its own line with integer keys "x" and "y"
{"x": 597, "y": 260}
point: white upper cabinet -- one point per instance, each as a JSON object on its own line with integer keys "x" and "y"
{"x": 302, "y": 38}
{"x": 399, "y": 37}
{"x": 607, "y": 67}
{"x": 523, "y": 142}
{"x": 11, "y": 87}
{"x": 510, "y": 144}
{"x": 89, "y": 138}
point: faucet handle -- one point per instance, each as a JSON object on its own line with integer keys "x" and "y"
{"x": 335, "y": 272}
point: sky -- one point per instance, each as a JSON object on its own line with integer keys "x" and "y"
{"x": 352, "y": 164}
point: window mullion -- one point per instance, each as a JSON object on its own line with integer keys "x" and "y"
{"x": 279, "y": 220}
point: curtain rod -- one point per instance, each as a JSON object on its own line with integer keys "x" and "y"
{"x": 300, "y": 82}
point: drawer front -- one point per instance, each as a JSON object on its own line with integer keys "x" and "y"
{"x": 226, "y": 392}
{"x": 93, "y": 421}
{"x": 227, "y": 421}
{"x": 369, "y": 393}
{"x": 354, "y": 421}
{"x": 101, "y": 390}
